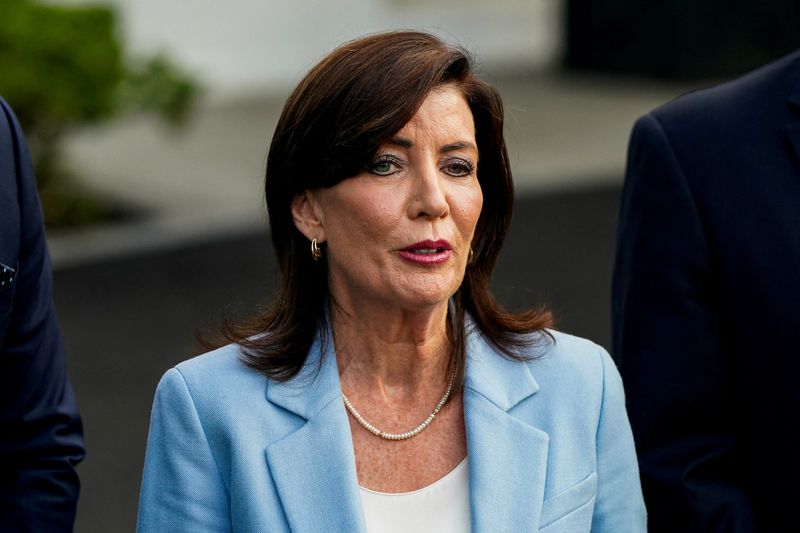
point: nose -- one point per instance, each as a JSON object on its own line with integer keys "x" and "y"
{"x": 428, "y": 199}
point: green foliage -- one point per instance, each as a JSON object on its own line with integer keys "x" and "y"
{"x": 64, "y": 67}
{"x": 154, "y": 85}
{"x": 59, "y": 64}
{"x": 67, "y": 205}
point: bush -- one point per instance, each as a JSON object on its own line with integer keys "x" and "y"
{"x": 64, "y": 67}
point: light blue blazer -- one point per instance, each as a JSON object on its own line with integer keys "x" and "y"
{"x": 549, "y": 446}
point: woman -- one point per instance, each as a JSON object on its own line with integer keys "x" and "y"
{"x": 385, "y": 389}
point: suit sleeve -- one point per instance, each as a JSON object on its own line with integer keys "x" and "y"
{"x": 182, "y": 488}
{"x": 619, "y": 505}
{"x": 41, "y": 440}
{"x": 669, "y": 348}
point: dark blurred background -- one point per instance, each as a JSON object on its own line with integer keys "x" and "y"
{"x": 149, "y": 126}
{"x": 684, "y": 39}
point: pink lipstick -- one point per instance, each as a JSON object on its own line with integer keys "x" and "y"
{"x": 427, "y": 252}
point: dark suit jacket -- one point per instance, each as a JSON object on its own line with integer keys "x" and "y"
{"x": 706, "y": 304}
{"x": 41, "y": 439}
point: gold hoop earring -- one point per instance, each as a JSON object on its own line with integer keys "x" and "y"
{"x": 316, "y": 253}
{"x": 471, "y": 255}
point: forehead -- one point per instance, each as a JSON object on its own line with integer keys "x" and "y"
{"x": 443, "y": 112}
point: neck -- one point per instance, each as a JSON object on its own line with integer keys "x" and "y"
{"x": 393, "y": 353}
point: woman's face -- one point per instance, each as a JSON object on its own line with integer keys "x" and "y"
{"x": 399, "y": 233}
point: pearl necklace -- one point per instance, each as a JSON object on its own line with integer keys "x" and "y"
{"x": 406, "y": 434}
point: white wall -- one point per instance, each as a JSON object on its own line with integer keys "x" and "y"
{"x": 239, "y": 45}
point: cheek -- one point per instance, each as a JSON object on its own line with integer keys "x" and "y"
{"x": 360, "y": 220}
{"x": 468, "y": 208}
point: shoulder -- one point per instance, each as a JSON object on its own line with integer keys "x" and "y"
{"x": 7, "y": 119}
{"x": 10, "y": 135}
{"x": 20, "y": 214}
{"x": 220, "y": 373}
{"x": 219, "y": 395}
{"x": 755, "y": 95}
{"x": 223, "y": 365}
{"x": 574, "y": 373}
{"x": 571, "y": 355}
{"x": 9, "y": 170}
{"x": 217, "y": 385}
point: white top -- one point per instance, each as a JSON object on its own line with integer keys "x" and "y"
{"x": 441, "y": 507}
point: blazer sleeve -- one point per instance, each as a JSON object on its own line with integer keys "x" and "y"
{"x": 41, "y": 440}
{"x": 669, "y": 347}
{"x": 619, "y": 505}
{"x": 182, "y": 488}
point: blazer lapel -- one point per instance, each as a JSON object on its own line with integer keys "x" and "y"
{"x": 507, "y": 456}
{"x": 314, "y": 466}
{"x": 793, "y": 129}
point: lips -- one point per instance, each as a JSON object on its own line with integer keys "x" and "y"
{"x": 427, "y": 252}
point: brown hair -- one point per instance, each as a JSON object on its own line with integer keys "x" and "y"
{"x": 358, "y": 96}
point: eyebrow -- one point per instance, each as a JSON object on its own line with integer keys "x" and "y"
{"x": 458, "y": 145}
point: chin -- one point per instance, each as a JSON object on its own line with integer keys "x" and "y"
{"x": 422, "y": 297}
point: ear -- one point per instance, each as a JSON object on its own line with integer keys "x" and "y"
{"x": 307, "y": 216}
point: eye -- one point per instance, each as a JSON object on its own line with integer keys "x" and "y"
{"x": 458, "y": 167}
{"x": 385, "y": 165}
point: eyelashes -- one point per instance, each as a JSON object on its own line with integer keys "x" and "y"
{"x": 458, "y": 167}
{"x": 387, "y": 165}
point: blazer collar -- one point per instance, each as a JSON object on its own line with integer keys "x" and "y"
{"x": 507, "y": 456}
{"x": 313, "y": 467}
{"x": 315, "y": 386}
{"x": 501, "y": 381}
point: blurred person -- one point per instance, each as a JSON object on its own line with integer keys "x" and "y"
{"x": 41, "y": 437}
{"x": 705, "y": 307}
{"x": 385, "y": 389}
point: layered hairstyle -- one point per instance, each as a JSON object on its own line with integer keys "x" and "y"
{"x": 331, "y": 127}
